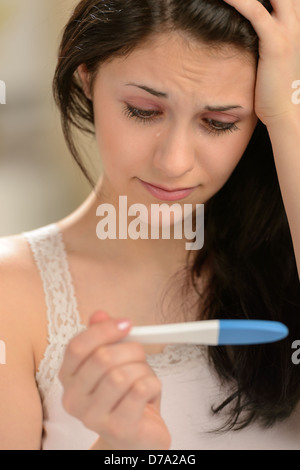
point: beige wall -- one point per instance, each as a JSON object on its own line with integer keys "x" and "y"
{"x": 39, "y": 181}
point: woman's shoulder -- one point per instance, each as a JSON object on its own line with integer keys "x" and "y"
{"x": 18, "y": 258}
{"x": 22, "y": 301}
{"x": 16, "y": 269}
{"x": 14, "y": 252}
{"x": 18, "y": 272}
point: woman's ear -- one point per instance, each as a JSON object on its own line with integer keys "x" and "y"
{"x": 85, "y": 80}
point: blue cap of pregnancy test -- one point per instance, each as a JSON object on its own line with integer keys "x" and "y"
{"x": 250, "y": 332}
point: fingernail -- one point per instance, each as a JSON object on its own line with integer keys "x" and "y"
{"x": 123, "y": 324}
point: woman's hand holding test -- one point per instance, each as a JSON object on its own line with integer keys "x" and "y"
{"x": 110, "y": 388}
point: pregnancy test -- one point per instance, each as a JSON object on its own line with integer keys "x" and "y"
{"x": 211, "y": 332}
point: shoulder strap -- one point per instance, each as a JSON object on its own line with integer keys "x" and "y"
{"x": 63, "y": 318}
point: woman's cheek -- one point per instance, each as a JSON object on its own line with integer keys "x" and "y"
{"x": 220, "y": 163}
{"x": 117, "y": 137}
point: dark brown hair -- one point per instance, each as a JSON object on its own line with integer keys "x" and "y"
{"x": 247, "y": 238}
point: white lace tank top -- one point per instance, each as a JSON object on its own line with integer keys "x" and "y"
{"x": 189, "y": 388}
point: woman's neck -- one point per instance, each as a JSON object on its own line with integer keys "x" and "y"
{"x": 80, "y": 227}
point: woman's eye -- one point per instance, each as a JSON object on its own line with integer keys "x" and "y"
{"x": 149, "y": 116}
{"x": 141, "y": 115}
{"x": 219, "y": 128}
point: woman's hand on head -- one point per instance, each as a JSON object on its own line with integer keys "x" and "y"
{"x": 111, "y": 389}
{"x": 279, "y": 65}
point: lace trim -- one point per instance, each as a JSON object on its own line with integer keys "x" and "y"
{"x": 62, "y": 313}
{"x": 175, "y": 358}
{"x": 63, "y": 317}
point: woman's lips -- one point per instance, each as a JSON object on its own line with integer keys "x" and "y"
{"x": 167, "y": 195}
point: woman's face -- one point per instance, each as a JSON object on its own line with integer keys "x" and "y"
{"x": 173, "y": 115}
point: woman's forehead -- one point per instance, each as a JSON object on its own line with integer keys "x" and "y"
{"x": 179, "y": 45}
{"x": 176, "y": 68}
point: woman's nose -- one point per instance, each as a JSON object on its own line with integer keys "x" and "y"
{"x": 174, "y": 153}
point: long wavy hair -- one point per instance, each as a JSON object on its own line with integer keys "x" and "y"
{"x": 247, "y": 238}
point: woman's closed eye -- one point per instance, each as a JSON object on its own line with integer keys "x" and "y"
{"x": 145, "y": 116}
{"x": 142, "y": 115}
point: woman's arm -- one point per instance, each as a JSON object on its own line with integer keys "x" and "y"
{"x": 278, "y": 69}
{"x": 20, "y": 405}
{"x": 285, "y": 138}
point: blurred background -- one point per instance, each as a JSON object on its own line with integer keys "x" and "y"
{"x": 39, "y": 181}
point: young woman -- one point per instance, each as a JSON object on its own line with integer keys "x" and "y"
{"x": 191, "y": 101}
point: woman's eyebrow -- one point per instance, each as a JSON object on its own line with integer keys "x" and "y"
{"x": 223, "y": 108}
{"x": 161, "y": 94}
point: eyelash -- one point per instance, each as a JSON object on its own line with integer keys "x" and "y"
{"x": 135, "y": 113}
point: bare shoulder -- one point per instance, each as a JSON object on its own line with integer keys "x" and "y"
{"x": 15, "y": 255}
